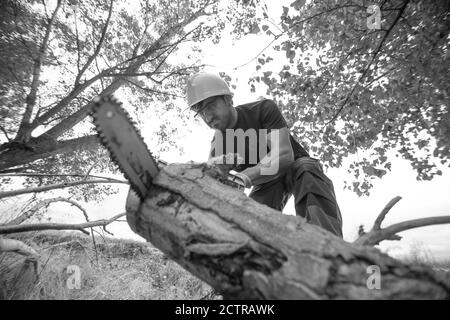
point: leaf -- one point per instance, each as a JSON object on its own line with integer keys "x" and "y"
{"x": 297, "y": 4}
{"x": 298, "y": 27}
{"x": 290, "y": 54}
{"x": 255, "y": 29}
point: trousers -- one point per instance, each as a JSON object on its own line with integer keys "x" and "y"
{"x": 313, "y": 192}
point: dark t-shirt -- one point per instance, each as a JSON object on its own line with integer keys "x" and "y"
{"x": 256, "y": 115}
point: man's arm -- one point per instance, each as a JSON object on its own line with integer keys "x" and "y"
{"x": 216, "y": 157}
{"x": 276, "y": 162}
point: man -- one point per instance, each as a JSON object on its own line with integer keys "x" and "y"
{"x": 272, "y": 161}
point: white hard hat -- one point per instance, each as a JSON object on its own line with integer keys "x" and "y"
{"x": 204, "y": 85}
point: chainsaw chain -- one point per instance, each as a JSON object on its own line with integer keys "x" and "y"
{"x": 104, "y": 141}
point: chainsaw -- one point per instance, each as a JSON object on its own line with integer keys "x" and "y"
{"x": 128, "y": 150}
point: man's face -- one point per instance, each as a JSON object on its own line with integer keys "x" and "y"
{"x": 215, "y": 112}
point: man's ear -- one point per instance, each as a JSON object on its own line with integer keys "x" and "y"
{"x": 228, "y": 100}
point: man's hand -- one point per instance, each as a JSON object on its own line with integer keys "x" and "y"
{"x": 241, "y": 179}
{"x": 227, "y": 162}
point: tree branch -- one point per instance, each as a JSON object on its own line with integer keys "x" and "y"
{"x": 29, "y": 213}
{"x": 134, "y": 74}
{"x": 138, "y": 45}
{"x": 179, "y": 71}
{"x": 18, "y": 29}
{"x": 76, "y": 117}
{"x": 382, "y": 215}
{"x": 59, "y": 226}
{"x": 20, "y": 82}
{"x": 23, "y": 134}
{"x": 55, "y": 186}
{"x": 20, "y": 169}
{"x": 145, "y": 55}
{"x": 390, "y": 233}
{"x": 98, "y": 70}
{"x": 63, "y": 103}
{"x": 5, "y": 133}
{"x": 45, "y": 9}
{"x": 40, "y": 148}
{"x": 12, "y": 245}
{"x": 339, "y": 63}
{"x": 45, "y": 203}
{"x": 97, "y": 49}
{"x": 402, "y": 9}
{"x": 34, "y": 174}
{"x": 172, "y": 47}
{"x": 276, "y": 37}
{"x": 78, "y": 42}
{"x": 89, "y": 170}
{"x": 377, "y": 234}
{"x": 151, "y": 90}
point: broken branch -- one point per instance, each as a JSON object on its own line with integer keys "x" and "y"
{"x": 59, "y": 226}
{"x": 12, "y": 245}
{"x": 377, "y": 234}
{"x": 374, "y": 237}
{"x": 382, "y": 215}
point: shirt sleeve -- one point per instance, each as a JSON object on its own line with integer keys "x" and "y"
{"x": 271, "y": 117}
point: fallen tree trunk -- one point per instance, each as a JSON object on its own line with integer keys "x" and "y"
{"x": 246, "y": 250}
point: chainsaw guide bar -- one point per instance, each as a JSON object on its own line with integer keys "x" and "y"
{"x": 128, "y": 150}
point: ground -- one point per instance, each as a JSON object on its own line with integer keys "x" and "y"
{"x": 117, "y": 269}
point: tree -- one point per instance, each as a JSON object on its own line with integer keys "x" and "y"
{"x": 58, "y": 55}
{"x": 349, "y": 84}
{"x": 89, "y": 54}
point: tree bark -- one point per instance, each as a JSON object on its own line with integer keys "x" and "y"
{"x": 246, "y": 250}
{"x": 43, "y": 148}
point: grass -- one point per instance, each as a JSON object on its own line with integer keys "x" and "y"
{"x": 419, "y": 254}
{"x": 118, "y": 269}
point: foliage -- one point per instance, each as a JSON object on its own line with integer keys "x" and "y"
{"x": 345, "y": 87}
